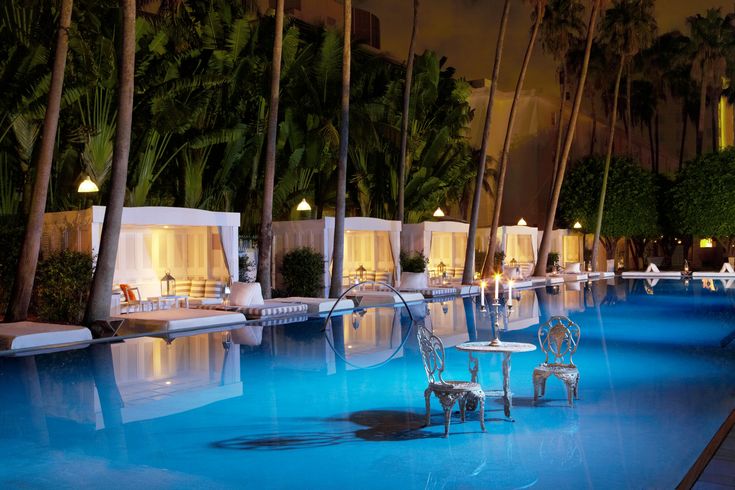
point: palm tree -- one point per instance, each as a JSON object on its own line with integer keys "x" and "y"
{"x": 20, "y": 296}
{"x": 562, "y": 25}
{"x": 469, "y": 256}
{"x": 265, "y": 240}
{"x": 713, "y": 37}
{"x": 545, "y": 246}
{"x": 538, "y": 15}
{"x": 338, "y": 250}
{"x": 628, "y": 27}
{"x": 404, "y": 115}
{"x": 98, "y": 306}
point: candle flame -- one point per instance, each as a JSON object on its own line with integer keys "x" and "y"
{"x": 483, "y": 284}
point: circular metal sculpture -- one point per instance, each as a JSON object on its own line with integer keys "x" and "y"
{"x": 328, "y": 323}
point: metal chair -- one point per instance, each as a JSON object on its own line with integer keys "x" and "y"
{"x": 448, "y": 392}
{"x": 558, "y": 338}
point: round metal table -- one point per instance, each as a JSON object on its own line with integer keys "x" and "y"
{"x": 507, "y": 349}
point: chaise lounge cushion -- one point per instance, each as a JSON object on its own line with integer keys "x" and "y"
{"x": 197, "y": 288}
{"x": 573, "y": 268}
{"x": 269, "y": 309}
{"x": 246, "y": 294}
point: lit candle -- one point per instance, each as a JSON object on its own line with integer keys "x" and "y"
{"x": 497, "y": 285}
{"x": 510, "y": 293}
{"x": 482, "y": 293}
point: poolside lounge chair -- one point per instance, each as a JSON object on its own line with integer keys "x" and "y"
{"x": 247, "y": 298}
{"x": 652, "y": 271}
{"x": 448, "y": 392}
{"x": 726, "y": 272}
{"x": 557, "y": 338}
{"x": 573, "y": 272}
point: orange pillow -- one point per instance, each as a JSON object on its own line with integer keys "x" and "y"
{"x": 128, "y": 292}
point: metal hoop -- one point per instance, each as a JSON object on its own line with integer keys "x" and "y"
{"x": 328, "y": 319}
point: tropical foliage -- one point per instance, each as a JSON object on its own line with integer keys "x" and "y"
{"x": 201, "y": 104}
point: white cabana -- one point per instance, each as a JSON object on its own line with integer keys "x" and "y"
{"x": 520, "y": 243}
{"x": 371, "y": 243}
{"x": 569, "y": 244}
{"x": 442, "y": 242}
{"x": 189, "y": 243}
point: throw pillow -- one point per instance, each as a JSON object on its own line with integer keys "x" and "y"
{"x": 246, "y": 294}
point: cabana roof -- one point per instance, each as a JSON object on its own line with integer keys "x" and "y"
{"x": 153, "y": 216}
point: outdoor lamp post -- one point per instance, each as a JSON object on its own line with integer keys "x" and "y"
{"x": 361, "y": 272}
{"x": 87, "y": 186}
{"x": 304, "y": 208}
{"x": 439, "y": 213}
{"x": 168, "y": 285}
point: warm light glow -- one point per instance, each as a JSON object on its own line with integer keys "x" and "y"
{"x": 87, "y": 186}
{"x": 577, "y": 225}
{"x": 303, "y": 206}
{"x": 706, "y": 243}
{"x": 483, "y": 284}
{"x": 522, "y": 222}
{"x": 438, "y": 213}
{"x": 168, "y": 382}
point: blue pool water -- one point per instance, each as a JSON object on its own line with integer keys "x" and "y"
{"x": 277, "y": 407}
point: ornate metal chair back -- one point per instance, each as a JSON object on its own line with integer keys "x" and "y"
{"x": 559, "y": 338}
{"x": 432, "y": 354}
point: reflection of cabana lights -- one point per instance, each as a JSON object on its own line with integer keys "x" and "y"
{"x": 439, "y": 213}
{"x": 522, "y": 222}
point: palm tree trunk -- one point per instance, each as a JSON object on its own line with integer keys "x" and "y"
{"x": 608, "y": 158}
{"x": 98, "y": 307}
{"x": 503, "y": 167}
{"x": 700, "y": 120}
{"x": 338, "y": 251}
{"x": 685, "y": 118}
{"x": 628, "y": 115}
{"x": 593, "y": 137}
{"x": 560, "y": 119}
{"x": 265, "y": 240}
{"x": 651, "y": 146}
{"x": 20, "y": 296}
{"x": 404, "y": 115}
{"x": 545, "y": 246}
{"x": 469, "y": 256}
{"x": 657, "y": 141}
{"x": 715, "y": 108}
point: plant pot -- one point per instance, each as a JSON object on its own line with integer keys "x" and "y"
{"x": 414, "y": 280}
{"x": 610, "y": 265}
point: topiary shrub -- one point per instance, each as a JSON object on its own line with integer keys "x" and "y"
{"x": 303, "y": 271}
{"x": 11, "y": 239}
{"x": 63, "y": 281}
{"x": 245, "y": 266}
{"x": 479, "y": 260}
{"x": 413, "y": 261}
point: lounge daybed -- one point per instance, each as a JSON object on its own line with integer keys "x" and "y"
{"x": 319, "y": 305}
{"x": 417, "y": 282}
{"x": 726, "y": 272}
{"x": 548, "y": 280}
{"x": 371, "y": 298}
{"x": 247, "y": 299}
{"x": 573, "y": 272}
{"x": 180, "y": 319}
{"x": 28, "y": 335}
{"x": 652, "y": 272}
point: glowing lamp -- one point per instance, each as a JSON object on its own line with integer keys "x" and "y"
{"x": 577, "y": 225}
{"x": 706, "y": 243}
{"x": 361, "y": 272}
{"x": 303, "y": 206}
{"x": 522, "y": 222}
{"x": 87, "y": 186}
{"x": 168, "y": 285}
{"x": 439, "y": 213}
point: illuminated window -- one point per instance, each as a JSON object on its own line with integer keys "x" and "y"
{"x": 706, "y": 243}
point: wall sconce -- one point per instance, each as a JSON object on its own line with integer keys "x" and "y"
{"x": 577, "y": 225}
{"x": 87, "y": 186}
{"x": 522, "y": 222}
{"x": 438, "y": 213}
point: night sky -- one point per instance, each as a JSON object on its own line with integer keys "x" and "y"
{"x": 466, "y": 32}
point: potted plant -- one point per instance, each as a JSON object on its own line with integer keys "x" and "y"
{"x": 413, "y": 270}
{"x": 499, "y": 261}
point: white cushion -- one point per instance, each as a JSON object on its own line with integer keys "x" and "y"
{"x": 246, "y": 294}
{"x": 573, "y": 268}
{"x": 652, "y": 268}
{"x": 180, "y": 318}
{"x": 24, "y": 335}
{"x": 414, "y": 280}
{"x": 726, "y": 267}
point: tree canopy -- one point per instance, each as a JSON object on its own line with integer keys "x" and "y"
{"x": 630, "y": 202}
{"x": 704, "y": 195}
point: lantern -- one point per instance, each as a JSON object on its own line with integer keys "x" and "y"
{"x": 442, "y": 268}
{"x": 361, "y": 272}
{"x": 168, "y": 285}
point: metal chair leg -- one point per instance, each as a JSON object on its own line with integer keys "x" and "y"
{"x": 447, "y": 419}
{"x": 427, "y": 396}
{"x": 462, "y": 404}
{"x": 482, "y": 413}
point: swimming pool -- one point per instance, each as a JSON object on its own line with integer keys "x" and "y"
{"x": 277, "y": 407}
